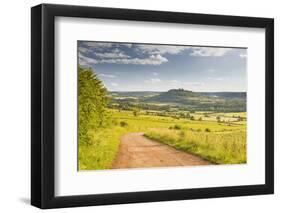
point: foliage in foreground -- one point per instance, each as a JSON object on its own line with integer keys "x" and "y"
{"x": 97, "y": 147}
{"x": 101, "y": 153}
{"x": 92, "y": 101}
{"x": 217, "y": 147}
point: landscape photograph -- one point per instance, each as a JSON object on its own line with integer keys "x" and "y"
{"x": 160, "y": 105}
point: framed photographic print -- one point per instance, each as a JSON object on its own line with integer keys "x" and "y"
{"x": 139, "y": 106}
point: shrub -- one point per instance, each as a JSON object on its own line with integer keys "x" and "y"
{"x": 182, "y": 134}
{"x": 207, "y": 130}
{"x": 177, "y": 127}
{"x": 123, "y": 124}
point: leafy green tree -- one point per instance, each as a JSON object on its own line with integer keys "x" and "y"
{"x": 136, "y": 112}
{"x": 218, "y": 119}
{"x": 92, "y": 102}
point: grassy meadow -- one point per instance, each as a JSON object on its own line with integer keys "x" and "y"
{"x": 219, "y": 142}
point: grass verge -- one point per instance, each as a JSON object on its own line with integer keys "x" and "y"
{"x": 218, "y": 148}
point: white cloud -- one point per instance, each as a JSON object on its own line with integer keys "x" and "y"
{"x": 155, "y": 73}
{"x": 151, "y": 60}
{"x": 209, "y": 51}
{"x": 114, "y": 84}
{"x": 83, "y": 49}
{"x": 243, "y": 55}
{"x": 161, "y": 49}
{"x": 153, "y": 81}
{"x": 195, "y": 51}
{"x": 84, "y": 60}
{"x": 127, "y": 45}
{"x": 112, "y": 55}
{"x": 98, "y": 44}
{"x": 107, "y": 75}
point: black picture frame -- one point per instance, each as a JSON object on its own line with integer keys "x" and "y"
{"x": 43, "y": 105}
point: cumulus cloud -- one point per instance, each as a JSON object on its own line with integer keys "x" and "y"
{"x": 139, "y": 54}
{"x": 173, "y": 50}
{"x": 107, "y": 75}
{"x": 83, "y": 49}
{"x": 84, "y": 60}
{"x": 161, "y": 49}
{"x": 129, "y": 45}
{"x": 112, "y": 55}
{"x": 97, "y": 44}
{"x": 151, "y": 60}
{"x": 209, "y": 51}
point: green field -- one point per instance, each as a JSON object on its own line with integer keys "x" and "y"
{"x": 209, "y": 125}
{"x": 218, "y": 142}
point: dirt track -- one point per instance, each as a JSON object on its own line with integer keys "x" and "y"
{"x": 137, "y": 151}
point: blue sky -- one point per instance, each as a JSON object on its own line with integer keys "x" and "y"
{"x": 154, "y": 67}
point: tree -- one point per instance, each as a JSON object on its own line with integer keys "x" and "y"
{"x": 92, "y": 102}
{"x": 135, "y": 112}
{"x": 218, "y": 119}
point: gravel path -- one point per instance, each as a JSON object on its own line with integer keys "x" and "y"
{"x": 137, "y": 151}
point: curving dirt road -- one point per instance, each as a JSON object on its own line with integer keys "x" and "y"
{"x": 137, "y": 151}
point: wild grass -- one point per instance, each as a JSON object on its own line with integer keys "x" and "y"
{"x": 216, "y": 147}
{"x": 217, "y": 142}
{"x": 100, "y": 153}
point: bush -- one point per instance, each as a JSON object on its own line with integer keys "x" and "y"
{"x": 178, "y": 127}
{"x": 207, "y": 130}
{"x": 123, "y": 124}
{"x": 182, "y": 134}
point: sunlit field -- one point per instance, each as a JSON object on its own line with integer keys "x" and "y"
{"x": 219, "y": 142}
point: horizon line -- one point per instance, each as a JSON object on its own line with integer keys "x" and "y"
{"x": 172, "y": 89}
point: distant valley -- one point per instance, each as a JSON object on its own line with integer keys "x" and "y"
{"x": 180, "y": 99}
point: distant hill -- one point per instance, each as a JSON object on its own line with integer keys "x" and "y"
{"x": 134, "y": 93}
{"x": 221, "y": 101}
{"x": 202, "y": 101}
{"x": 175, "y": 96}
